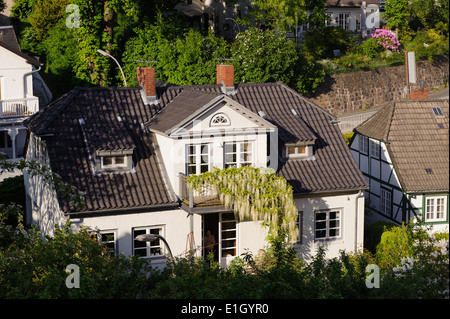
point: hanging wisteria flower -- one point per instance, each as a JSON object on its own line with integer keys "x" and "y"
{"x": 386, "y": 39}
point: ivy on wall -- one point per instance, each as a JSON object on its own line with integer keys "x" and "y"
{"x": 254, "y": 194}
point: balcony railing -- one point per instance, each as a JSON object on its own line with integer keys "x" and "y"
{"x": 195, "y": 199}
{"x": 19, "y": 107}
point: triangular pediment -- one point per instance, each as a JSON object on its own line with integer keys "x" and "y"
{"x": 194, "y": 111}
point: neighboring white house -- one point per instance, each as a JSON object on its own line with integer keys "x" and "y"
{"x": 130, "y": 149}
{"x": 17, "y": 101}
{"x": 403, "y": 151}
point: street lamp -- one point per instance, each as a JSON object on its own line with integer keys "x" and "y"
{"x": 152, "y": 237}
{"x": 239, "y": 29}
{"x": 110, "y": 56}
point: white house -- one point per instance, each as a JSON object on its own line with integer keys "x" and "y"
{"x": 17, "y": 101}
{"x": 130, "y": 149}
{"x": 403, "y": 152}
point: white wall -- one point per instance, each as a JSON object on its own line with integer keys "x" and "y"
{"x": 173, "y": 150}
{"x": 352, "y": 227}
{"x": 12, "y": 70}
{"x": 42, "y": 198}
{"x": 175, "y": 224}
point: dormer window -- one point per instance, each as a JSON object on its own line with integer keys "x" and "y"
{"x": 114, "y": 161}
{"x": 220, "y": 120}
{"x": 299, "y": 150}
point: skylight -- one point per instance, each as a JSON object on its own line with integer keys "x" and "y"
{"x": 437, "y": 111}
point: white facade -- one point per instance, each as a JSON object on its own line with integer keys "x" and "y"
{"x": 16, "y": 103}
{"x": 386, "y": 200}
{"x": 333, "y": 220}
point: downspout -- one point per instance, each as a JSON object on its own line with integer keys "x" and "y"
{"x": 25, "y": 89}
{"x": 360, "y": 194}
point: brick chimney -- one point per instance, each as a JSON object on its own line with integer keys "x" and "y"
{"x": 225, "y": 76}
{"x": 147, "y": 80}
{"x": 225, "y": 73}
{"x": 418, "y": 93}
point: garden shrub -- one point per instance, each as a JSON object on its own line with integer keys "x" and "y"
{"x": 373, "y": 232}
{"x": 370, "y": 48}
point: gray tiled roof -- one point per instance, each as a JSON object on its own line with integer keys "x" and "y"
{"x": 100, "y": 109}
{"x": 417, "y": 141}
{"x": 332, "y": 169}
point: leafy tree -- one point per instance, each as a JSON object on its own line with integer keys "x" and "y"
{"x": 183, "y": 56}
{"x": 283, "y": 15}
{"x": 397, "y": 14}
{"x": 2, "y": 5}
{"x": 37, "y": 268}
{"x": 45, "y": 15}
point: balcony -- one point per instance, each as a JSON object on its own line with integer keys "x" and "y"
{"x": 19, "y": 107}
{"x": 205, "y": 200}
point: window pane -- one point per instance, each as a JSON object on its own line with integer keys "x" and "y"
{"x": 228, "y": 216}
{"x": 230, "y": 148}
{"x": 320, "y": 233}
{"x": 191, "y": 170}
{"x": 229, "y": 234}
{"x": 334, "y": 233}
{"x": 321, "y": 225}
{"x": 291, "y": 150}
{"x": 301, "y": 149}
{"x": 120, "y": 160}
{"x": 142, "y": 252}
{"x": 321, "y": 216}
{"x": 107, "y": 160}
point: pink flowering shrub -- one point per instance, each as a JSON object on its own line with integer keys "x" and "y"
{"x": 386, "y": 39}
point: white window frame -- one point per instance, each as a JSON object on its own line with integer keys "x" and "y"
{"x": 431, "y": 211}
{"x": 364, "y": 144}
{"x": 374, "y": 148}
{"x": 344, "y": 23}
{"x": 223, "y": 230}
{"x": 386, "y": 201}
{"x": 198, "y": 156}
{"x": 239, "y": 151}
{"x": 114, "y": 164}
{"x": 114, "y": 242}
{"x": 329, "y": 224}
{"x": 225, "y": 120}
{"x": 149, "y": 246}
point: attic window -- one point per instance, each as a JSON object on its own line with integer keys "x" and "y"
{"x": 297, "y": 151}
{"x": 220, "y": 120}
{"x": 114, "y": 161}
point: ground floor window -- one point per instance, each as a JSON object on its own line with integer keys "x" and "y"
{"x": 148, "y": 249}
{"x": 108, "y": 238}
{"x": 328, "y": 224}
{"x": 435, "y": 208}
{"x": 219, "y": 235}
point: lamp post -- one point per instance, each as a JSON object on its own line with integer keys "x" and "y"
{"x": 239, "y": 29}
{"x": 152, "y": 237}
{"x": 110, "y": 56}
